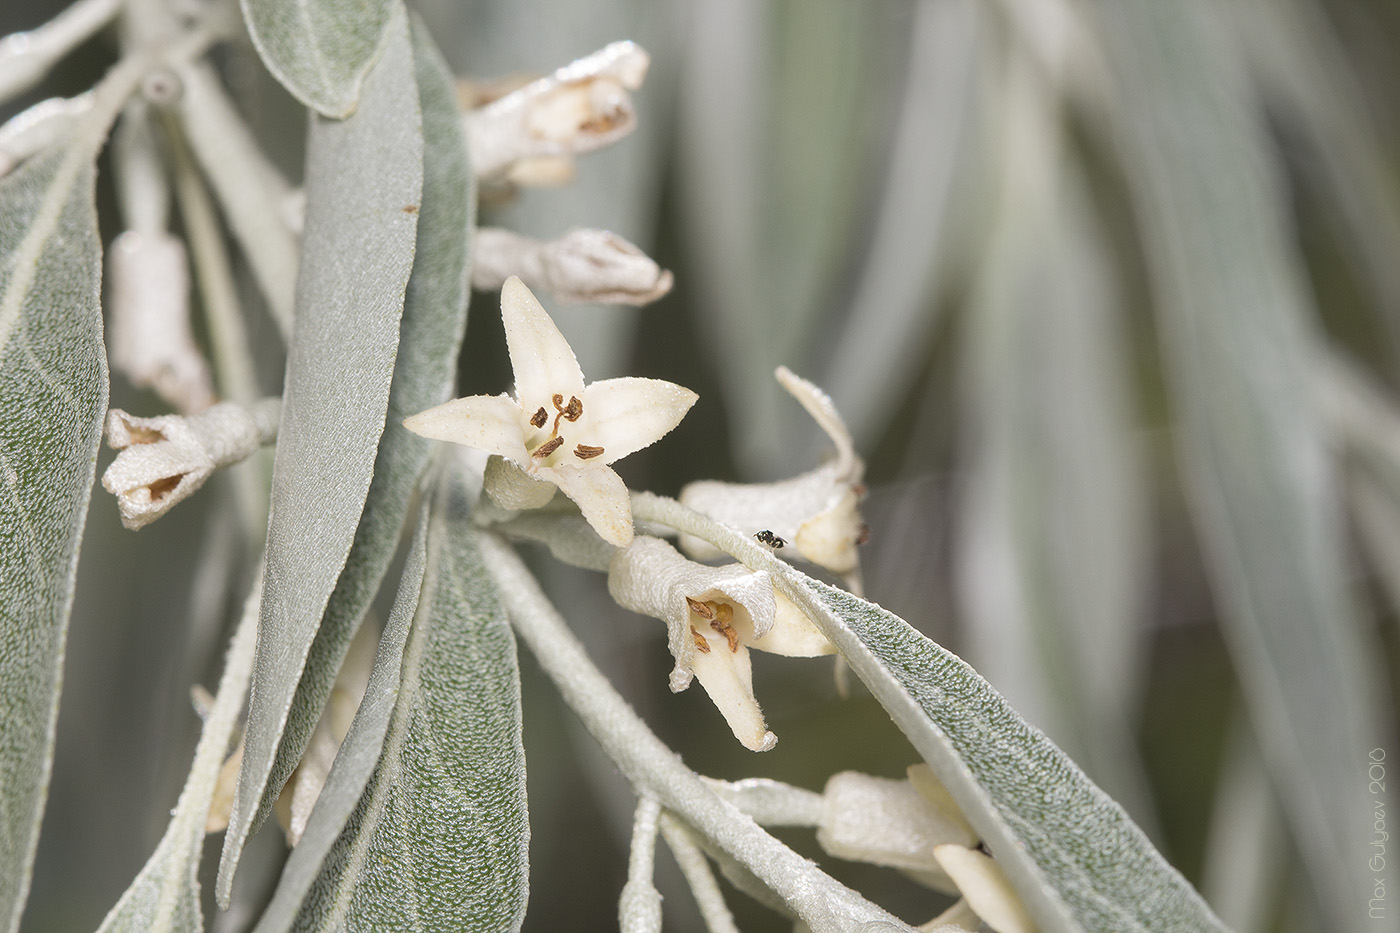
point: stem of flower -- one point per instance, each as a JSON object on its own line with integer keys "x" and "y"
{"x": 821, "y": 901}
{"x": 249, "y": 188}
{"x": 639, "y": 907}
{"x": 696, "y": 868}
{"x": 26, "y": 57}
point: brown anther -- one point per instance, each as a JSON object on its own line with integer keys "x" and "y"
{"x": 724, "y": 616}
{"x": 584, "y": 452}
{"x": 547, "y": 448}
{"x": 703, "y": 610}
{"x": 571, "y": 411}
{"x": 863, "y": 536}
{"x": 539, "y": 418}
{"x": 700, "y": 643}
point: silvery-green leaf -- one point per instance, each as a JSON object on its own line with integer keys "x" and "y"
{"x": 434, "y": 318}
{"x": 165, "y": 897}
{"x": 1306, "y": 76}
{"x": 321, "y": 50}
{"x": 892, "y": 310}
{"x": 53, "y": 393}
{"x": 1073, "y": 855}
{"x": 440, "y": 837}
{"x": 1237, "y": 326}
{"x": 364, "y": 184}
{"x": 359, "y": 753}
{"x": 1052, "y": 527}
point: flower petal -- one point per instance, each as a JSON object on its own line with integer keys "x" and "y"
{"x": 985, "y": 887}
{"x": 820, "y": 407}
{"x": 600, "y": 495}
{"x": 543, "y": 361}
{"x": 487, "y": 422}
{"x": 792, "y": 633}
{"x": 624, "y": 415}
{"x": 727, "y": 677}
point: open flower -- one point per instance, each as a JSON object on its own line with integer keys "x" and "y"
{"x": 557, "y": 430}
{"x": 713, "y": 616}
{"x": 816, "y": 512}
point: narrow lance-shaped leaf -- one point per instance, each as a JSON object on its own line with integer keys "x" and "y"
{"x": 434, "y": 319}
{"x": 440, "y": 838}
{"x": 1073, "y": 855}
{"x": 1075, "y": 858}
{"x": 364, "y": 182}
{"x": 359, "y": 753}
{"x": 1237, "y": 328}
{"x": 53, "y": 392}
{"x": 321, "y": 50}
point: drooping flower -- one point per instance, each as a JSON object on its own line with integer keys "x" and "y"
{"x": 163, "y": 460}
{"x": 555, "y": 429}
{"x": 713, "y": 616}
{"x": 816, "y": 513}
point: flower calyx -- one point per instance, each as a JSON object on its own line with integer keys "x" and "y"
{"x": 556, "y": 430}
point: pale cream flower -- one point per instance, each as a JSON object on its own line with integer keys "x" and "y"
{"x": 532, "y": 134}
{"x": 985, "y": 887}
{"x": 816, "y": 514}
{"x": 557, "y": 430}
{"x": 163, "y": 460}
{"x": 713, "y": 616}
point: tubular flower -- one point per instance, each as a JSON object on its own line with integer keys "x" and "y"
{"x": 817, "y": 512}
{"x": 713, "y": 616}
{"x": 555, "y": 429}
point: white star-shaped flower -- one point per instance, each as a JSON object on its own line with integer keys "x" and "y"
{"x": 556, "y": 429}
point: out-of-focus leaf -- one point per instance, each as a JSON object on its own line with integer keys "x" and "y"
{"x": 1235, "y": 322}
{"x": 53, "y": 392}
{"x": 434, "y": 318}
{"x": 1247, "y": 850}
{"x": 321, "y": 50}
{"x": 1073, "y": 855}
{"x": 364, "y": 184}
{"x": 892, "y": 312}
{"x": 164, "y": 898}
{"x": 360, "y": 751}
{"x": 1053, "y": 526}
{"x": 440, "y": 837}
{"x": 769, "y": 186}
{"x": 1304, "y": 74}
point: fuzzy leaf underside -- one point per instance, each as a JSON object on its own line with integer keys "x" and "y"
{"x": 1075, "y": 858}
{"x": 434, "y": 320}
{"x": 53, "y": 394}
{"x": 364, "y": 189}
{"x": 440, "y": 838}
{"x": 320, "y": 50}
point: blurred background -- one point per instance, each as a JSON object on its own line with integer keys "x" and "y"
{"x": 1109, "y": 296}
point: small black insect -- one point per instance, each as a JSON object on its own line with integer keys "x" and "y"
{"x": 767, "y": 537}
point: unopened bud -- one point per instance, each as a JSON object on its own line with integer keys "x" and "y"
{"x": 149, "y": 324}
{"x": 583, "y": 265}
